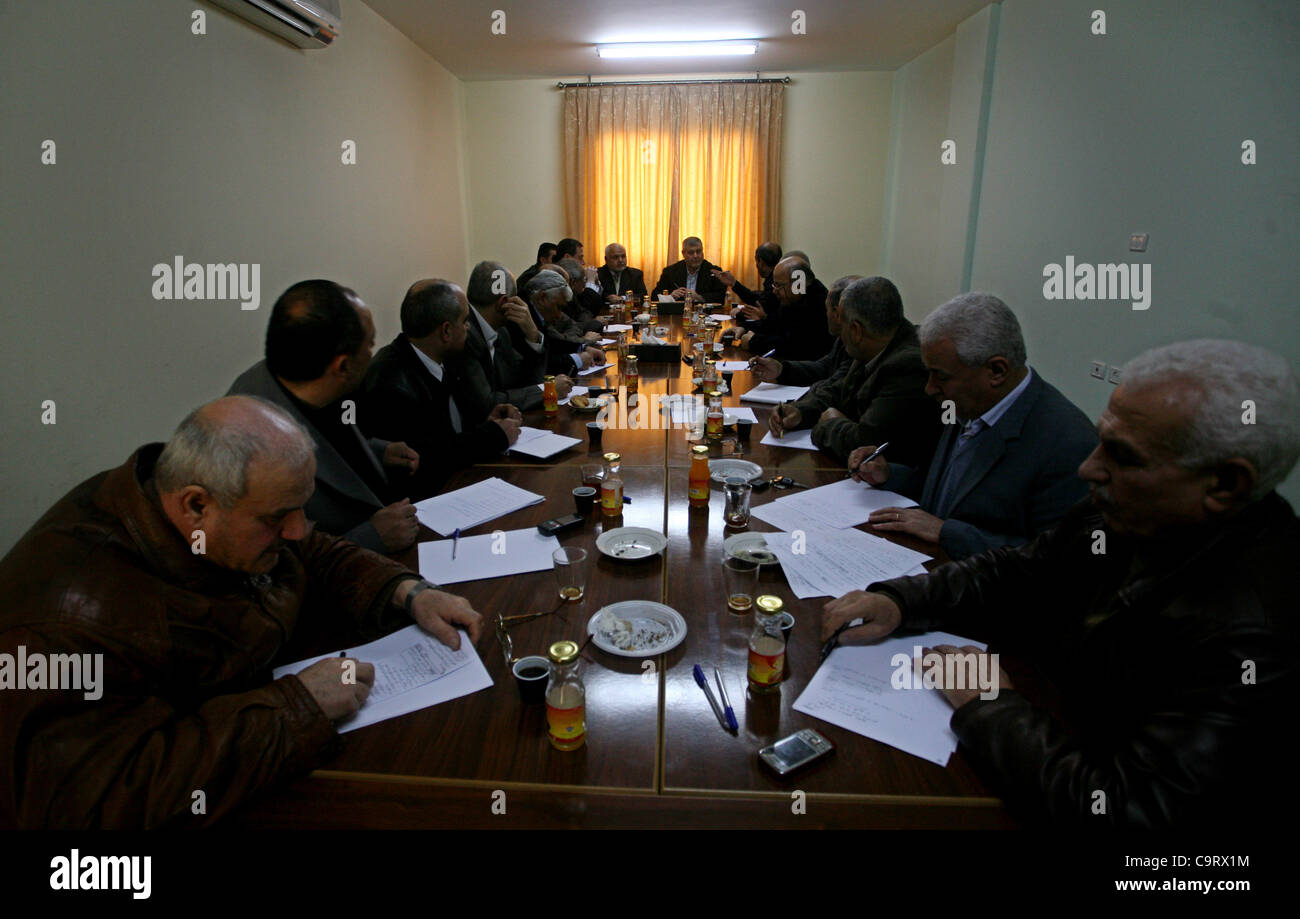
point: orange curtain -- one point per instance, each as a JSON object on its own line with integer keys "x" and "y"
{"x": 649, "y": 165}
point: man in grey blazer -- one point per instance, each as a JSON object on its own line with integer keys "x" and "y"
{"x": 1005, "y": 467}
{"x": 318, "y": 345}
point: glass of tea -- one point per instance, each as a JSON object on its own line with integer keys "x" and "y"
{"x": 570, "y": 572}
{"x": 741, "y": 579}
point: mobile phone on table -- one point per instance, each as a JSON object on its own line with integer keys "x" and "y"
{"x": 558, "y": 525}
{"x": 797, "y": 750}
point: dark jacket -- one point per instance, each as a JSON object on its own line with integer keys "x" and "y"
{"x": 822, "y": 372}
{"x": 632, "y": 279}
{"x": 797, "y": 330}
{"x": 763, "y": 296}
{"x": 342, "y": 503}
{"x": 401, "y": 399}
{"x": 188, "y": 701}
{"x": 706, "y": 285}
{"x": 1176, "y": 669}
{"x": 511, "y": 376}
{"x": 1022, "y": 479}
{"x": 883, "y": 399}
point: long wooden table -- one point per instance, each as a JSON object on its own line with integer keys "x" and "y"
{"x": 655, "y": 755}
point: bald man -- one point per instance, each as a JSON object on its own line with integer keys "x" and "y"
{"x": 616, "y": 279}
{"x": 167, "y": 587}
{"x": 799, "y": 330}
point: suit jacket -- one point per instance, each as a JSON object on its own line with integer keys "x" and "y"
{"x": 632, "y": 279}
{"x": 342, "y": 503}
{"x": 1022, "y": 477}
{"x": 797, "y": 330}
{"x": 187, "y": 695}
{"x": 763, "y": 296}
{"x": 511, "y": 376}
{"x": 401, "y": 399}
{"x": 883, "y": 399}
{"x": 1148, "y": 661}
{"x": 822, "y": 372}
{"x": 706, "y": 285}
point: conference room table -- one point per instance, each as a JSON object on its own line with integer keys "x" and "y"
{"x": 655, "y": 755}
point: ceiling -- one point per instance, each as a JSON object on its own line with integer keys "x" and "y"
{"x": 556, "y": 38}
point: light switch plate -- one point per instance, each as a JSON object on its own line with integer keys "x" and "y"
{"x": 1113, "y": 376}
{"x": 1138, "y": 242}
{"x": 1098, "y": 370}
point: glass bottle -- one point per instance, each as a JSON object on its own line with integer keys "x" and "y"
{"x": 550, "y": 399}
{"x": 566, "y": 698}
{"x": 699, "y": 477}
{"x": 713, "y": 420}
{"x": 710, "y": 376}
{"x": 632, "y": 376}
{"x": 767, "y": 646}
{"x": 611, "y": 487}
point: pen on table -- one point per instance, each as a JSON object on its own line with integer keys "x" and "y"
{"x": 455, "y": 542}
{"x": 879, "y": 450}
{"x": 726, "y": 703}
{"x": 704, "y": 684}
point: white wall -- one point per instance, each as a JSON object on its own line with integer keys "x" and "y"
{"x": 221, "y": 148}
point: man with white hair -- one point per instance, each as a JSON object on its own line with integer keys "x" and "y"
{"x": 186, "y": 572}
{"x": 1163, "y": 610}
{"x": 1003, "y": 470}
{"x": 616, "y": 278}
{"x": 568, "y": 348}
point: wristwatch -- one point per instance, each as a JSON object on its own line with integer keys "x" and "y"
{"x": 418, "y": 587}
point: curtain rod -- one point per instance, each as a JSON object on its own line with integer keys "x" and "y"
{"x": 589, "y": 83}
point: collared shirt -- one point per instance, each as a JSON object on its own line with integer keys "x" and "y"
{"x": 692, "y": 278}
{"x": 436, "y": 369}
{"x": 959, "y": 456}
{"x": 490, "y": 336}
{"x": 617, "y": 278}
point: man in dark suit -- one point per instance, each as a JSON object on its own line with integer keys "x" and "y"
{"x": 798, "y": 331}
{"x": 410, "y": 390}
{"x": 1003, "y": 473}
{"x": 545, "y": 255}
{"x": 616, "y": 278}
{"x": 826, "y": 369}
{"x": 318, "y": 346}
{"x": 505, "y": 356}
{"x": 754, "y": 304}
{"x": 882, "y": 395}
{"x": 693, "y": 277}
{"x": 568, "y": 348}
{"x": 585, "y": 304}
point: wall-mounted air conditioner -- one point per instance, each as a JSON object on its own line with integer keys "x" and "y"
{"x": 304, "y": 23}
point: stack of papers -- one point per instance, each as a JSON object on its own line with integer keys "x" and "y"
{"x": 492, "y": 555}
{"x": 413, "y": 670}
{"x": 771, "y": 393}
{"x": 599, "y": 368}
{"x": 840, "y": 505}
{"x": 618, "y": 327}
{"x": 474, "y": 504}
{"x": 855, "y": 689}
{"x": 541, "y": 444}
{"x": 798, "y": 440}
{"x": 833, "y": 562}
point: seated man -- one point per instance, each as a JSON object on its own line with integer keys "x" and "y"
{"x": 568, "y": 349}
{"x": 545, "y": 254}
{"x": 1006, "y": 473}
{"x": 798, "y": 331}
{"x": 616, "y": 278}
{"x": 1163, "y": 611}
{"x": 410, "y": 391}
{"x": 755, "y": 304}
{"x": 185, "y": 572}
{"x": 882, "y": 395}
{"x": 318, "y": 345}
{"x": 585, "y": 304}
{"x": 826, "y": 369}
{"x": 505, "y": 356}
{"x": 692, "y": 278}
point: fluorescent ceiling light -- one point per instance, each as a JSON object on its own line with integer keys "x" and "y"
{"x": 677, "y": 49}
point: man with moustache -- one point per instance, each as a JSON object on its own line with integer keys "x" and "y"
{"x": 798, "y": 331}
{"x": 616, "y": 278}
{"x": 692, "y": 278}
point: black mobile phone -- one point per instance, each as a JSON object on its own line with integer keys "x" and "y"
{"x": 799, "y": 749}
{"x": 559, "y": 525}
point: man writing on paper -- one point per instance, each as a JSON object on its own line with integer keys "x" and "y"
{"x": 187, "y": 570}
{"x": 882, "y": 395}
{"x": 1004, "y": 469}
{"x": 828, "y": 368}
{"x": 1163, "y": 610}
{"x": 798, "y": 331}
{"x": 414, "y": 390}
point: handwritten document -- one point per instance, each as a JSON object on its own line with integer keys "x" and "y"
{"x": 842, "y": 504}
{"x": 831, "y": 562}
{"x": 474, "y": 504}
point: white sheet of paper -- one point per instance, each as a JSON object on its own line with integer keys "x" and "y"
{"x": 541, "y": 444}
{"x": 733, "y": 413}
{"x": 573, "y": 392}
{"x": 618, "y": 327}
{"x": 600, "y": 368}
{"x": 607, "y": 341}
{"x": 833, "y": 562}
{"x": 721, "y": 317}
{"x": 490, "y": 555}
{"x": 841, "y": 504}
{"x": 666, "y": 298}
{"x": 799, "y": 440}
{"x": 472, "y": 505}
{"x": 771, "y": 393}
{"x": 854, "y": 690}
{"x": 413, "y": 670}
{"x": 732, "y": 366}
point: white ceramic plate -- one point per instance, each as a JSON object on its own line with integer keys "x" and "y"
{"x": 641, "y": 614}
{"x": 722, "y": 469}
{"x": 750, "y": 547}
{"x": 631, "y": 543}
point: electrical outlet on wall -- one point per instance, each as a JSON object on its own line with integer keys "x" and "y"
{"x": 1113, "y": 376}
{"x": 1098, "y": 370}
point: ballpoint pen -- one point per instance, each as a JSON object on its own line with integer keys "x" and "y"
{"x": 835, "y": 639}
{"x": 879, "y": 450}
{"x": 726, "y": 702}
{"x": 704, "y": 684}
{"x": 760, "y": 357}
{"x": 455, "y": 542}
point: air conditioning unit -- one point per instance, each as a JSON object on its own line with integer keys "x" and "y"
{"x": 304, "y": 23}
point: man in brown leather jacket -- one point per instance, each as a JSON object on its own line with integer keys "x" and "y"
{"x": 1163, "y": 611}
{"x": 186, "y": 571}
